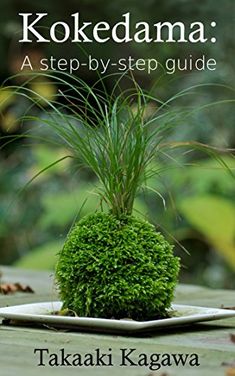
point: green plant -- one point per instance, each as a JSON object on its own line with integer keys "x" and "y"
{"x": 117, "y": 267}
{"x": 113, "y": 264}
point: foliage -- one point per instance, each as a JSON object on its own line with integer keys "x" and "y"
{"x": 112, "y": 267}
{"x": 42, "y": 257}
{"x": 66, "y": 191}
{"x": 204, "y": 204}
{"x": 113, "y": 138}
{"x": 214, "y": 218}
{"x": 206, "y": 176}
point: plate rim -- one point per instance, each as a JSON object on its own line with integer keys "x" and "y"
{"x": 113, "y": 324}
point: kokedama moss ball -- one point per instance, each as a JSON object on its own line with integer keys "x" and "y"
{"x": 112, "y": 267}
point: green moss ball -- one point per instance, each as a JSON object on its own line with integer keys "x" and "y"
{"x": 118, "y": 268}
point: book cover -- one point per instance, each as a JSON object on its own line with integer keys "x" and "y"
{"x": 117, "y": 217}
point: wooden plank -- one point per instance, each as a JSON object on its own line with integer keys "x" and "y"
{"x": 210, "y": 341}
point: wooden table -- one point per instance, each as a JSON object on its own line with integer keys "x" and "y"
{"x": 210, "y": 341}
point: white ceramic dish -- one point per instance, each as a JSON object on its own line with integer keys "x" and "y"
{"x": 42, "y": 313}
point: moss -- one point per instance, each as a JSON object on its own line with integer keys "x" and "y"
{"x": 112, "y": 267}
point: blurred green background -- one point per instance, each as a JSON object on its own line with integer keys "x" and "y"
{"x": 199, "y": 194}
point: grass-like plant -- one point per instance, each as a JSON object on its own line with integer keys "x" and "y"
{"x": 113, "y": 264}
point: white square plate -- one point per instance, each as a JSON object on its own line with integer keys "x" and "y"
{"x": 42, "y": 313}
